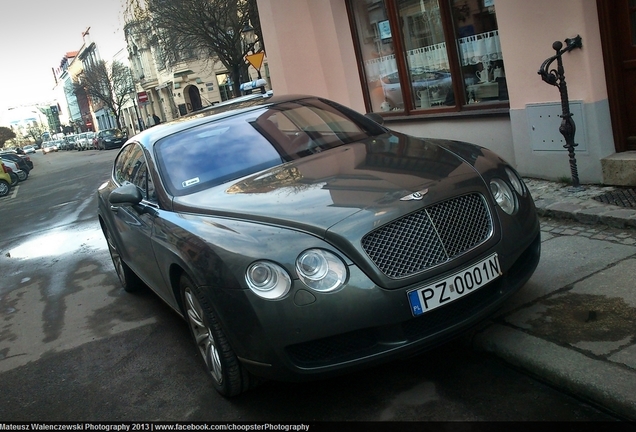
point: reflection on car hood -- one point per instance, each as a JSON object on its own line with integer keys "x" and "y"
{"x": 318, "y": 192}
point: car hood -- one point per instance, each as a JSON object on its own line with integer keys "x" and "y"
{"x": 373, "y": 180}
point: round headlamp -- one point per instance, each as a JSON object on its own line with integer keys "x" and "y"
{"x": 267, "y": 280}
{"x": 321, "y": 270}
{"x": 503, "y": 195}
{"x": 515, "y": 181}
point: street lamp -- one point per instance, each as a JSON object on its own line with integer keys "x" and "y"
{"x": 248, "y": 37}
{"x": 556, "y": 77}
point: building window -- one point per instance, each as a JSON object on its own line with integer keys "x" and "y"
{"x": 422, "y": 56}
{"x": 225, "y": 86}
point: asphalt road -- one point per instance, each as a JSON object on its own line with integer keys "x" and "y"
{"x": 75, "y": 347}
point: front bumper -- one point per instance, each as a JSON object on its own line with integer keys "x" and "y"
{"x": 360, "y": 325}
{"x": 113, "y": 144}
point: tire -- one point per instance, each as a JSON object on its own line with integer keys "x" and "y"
{"x": 229, "y": 377}
{"x": 5, "y": 187}
{"x": 24, "y": 174}
{"x": 14, "y": 179}
{"x": 129, "y": 280}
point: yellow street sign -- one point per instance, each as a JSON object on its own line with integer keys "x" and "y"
{"x": 256, "y": 60}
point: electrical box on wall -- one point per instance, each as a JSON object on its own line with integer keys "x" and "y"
{"x": 544, "y": 121}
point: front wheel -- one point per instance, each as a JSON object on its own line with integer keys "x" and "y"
{"x": 5, "y": 187}
{"x": 14, "y": 178}
{"x": 129, "y": 280}
{"x": 228, "y": 375}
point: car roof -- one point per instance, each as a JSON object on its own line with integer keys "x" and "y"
{"x": 226, "y": 109}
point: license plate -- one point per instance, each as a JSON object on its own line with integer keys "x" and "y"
{"x": 455, "y": 286}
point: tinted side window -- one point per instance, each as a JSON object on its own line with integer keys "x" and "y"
{"x": 118, "y": 170}
{"x": 131, "y": 167}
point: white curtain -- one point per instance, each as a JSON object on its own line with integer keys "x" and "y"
{"x": 431, "y": 58}
{"x": 378, "y": 67}
{"x": 473, "y": 49}
{"x": 480, "y": 48}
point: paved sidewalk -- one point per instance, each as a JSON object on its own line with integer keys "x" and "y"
{"x": 574, "y": 323}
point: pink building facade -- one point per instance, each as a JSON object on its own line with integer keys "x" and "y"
{"x": 467, "y": 70}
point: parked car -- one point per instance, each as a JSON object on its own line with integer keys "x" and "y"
{"x": 5, "y": 180}
{"x": 300, "y": 239}
{"x": 85, "y": 141}
{"x": 29, "y": 149}
{"x": 80, "y": 143}
{"x": 24, "y": 162}
{"x": 110, "y": 139}
{"x": 71, "y": 141}
{"x": 16, "y": 173}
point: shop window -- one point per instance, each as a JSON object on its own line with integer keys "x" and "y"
{"x": 419, "y": 56}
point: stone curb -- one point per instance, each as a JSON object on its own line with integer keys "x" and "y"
{"x": 601, "y": 383}
{"x": 613, "y": 216}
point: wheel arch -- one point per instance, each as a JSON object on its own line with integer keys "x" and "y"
{"x": 8, "y": 186}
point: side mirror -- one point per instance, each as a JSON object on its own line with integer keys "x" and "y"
{"x": 375, "y": 117}
{"x": 126, "y": 194}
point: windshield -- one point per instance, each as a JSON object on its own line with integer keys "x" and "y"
{"x": 112, "y": 132}
{"x": 240, "y": 145}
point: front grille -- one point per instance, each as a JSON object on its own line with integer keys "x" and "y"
{"x": 436, "y": 325}
{"x": 429, "y": 237}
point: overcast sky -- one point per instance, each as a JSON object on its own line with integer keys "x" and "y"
{"x": 36, "y": 34}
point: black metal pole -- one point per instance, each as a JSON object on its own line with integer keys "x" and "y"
{"x": 557, "y": 78}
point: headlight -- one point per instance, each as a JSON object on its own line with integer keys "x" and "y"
{"x": 515, "y": 181}
{"x": 268, "y": 280}
{"x": 321, "y": 270}
{"x": 503, "y": 195}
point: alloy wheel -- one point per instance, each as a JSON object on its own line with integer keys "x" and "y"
{"x": 117, "y": 262}
{"x": 203, "y": 336}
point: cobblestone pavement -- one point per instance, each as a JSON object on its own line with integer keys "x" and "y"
{"x": 549, "y": 194}
{"x": 565, "y": 227}
{"x": 557, "y": 201}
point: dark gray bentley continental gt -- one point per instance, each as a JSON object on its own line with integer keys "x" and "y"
{"x": 300, "y": 239}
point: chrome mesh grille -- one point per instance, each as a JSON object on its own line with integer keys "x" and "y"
{"x": 429, "y": 237}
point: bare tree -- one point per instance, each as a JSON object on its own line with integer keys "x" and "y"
{"x": 35, "y": 132}
{"x": 5, "y": 135}
{"x": 209, "y": 29}
{"x": 111, "y": 84}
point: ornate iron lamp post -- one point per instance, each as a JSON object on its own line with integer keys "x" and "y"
{"x": 556, "y": 77}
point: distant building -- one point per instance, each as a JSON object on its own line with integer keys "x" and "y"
{"x": 172, "y": 90}
{"x": 69, "y": 112}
